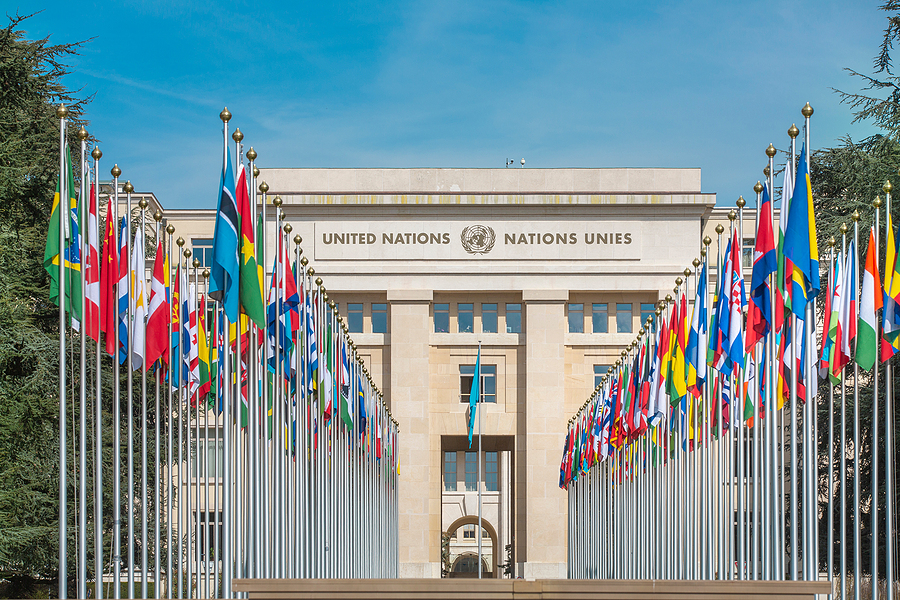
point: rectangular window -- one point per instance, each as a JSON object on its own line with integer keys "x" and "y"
{"x": 646, "y": 310}
{"x": 450, "y": 471}
{"x": 747, "y": 252}
{"x": 513, "y": 318}
{"x": 468, "y": 532}
{"x": 379, "y": 318}
{"x": 489, "y": 318}
{"x": 600, "y": 318}
{"x": 623, "y": 318}
{"x": 576, "y": 318}
{"x": 471, "y": 476}
{"x": 441, "y": 318}
{"x": 599, "y": 372}
{"x": 209, "y": 522}
{"x": 488, "y": 382}
{"x": 212, "y": 455}
{"x": 202, "y": 250}
{"x": 355, "y": 318}
{"x": 465, "y": 318}
{"x": 490, "y": 471}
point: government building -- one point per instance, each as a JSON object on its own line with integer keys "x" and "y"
{"x": 551, "y": 272}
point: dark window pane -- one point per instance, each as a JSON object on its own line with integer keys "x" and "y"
{"x": 513, "y": 318}
{"x": 576, "y": 318}
{"x": 379, "y": 318}
{"x": 355, "y": 318}
{"x": 600, "y": 318}
{"x": 599, "y": 372}
{"x": 471, "y": 476}
{"x": 490, "y": 471}
{"x": 450, "y": 471}
{"x": 441, "y": 318}
{"x": 646, "y": 311}
{"x": 489, "y": 318}
{"x": 623, "y": 318}
{"x": 466, "y": 318}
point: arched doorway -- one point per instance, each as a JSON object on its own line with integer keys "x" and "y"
{"x": 465, "y": 563}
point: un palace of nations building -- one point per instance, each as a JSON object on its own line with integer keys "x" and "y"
{"x": 551, "y": 270}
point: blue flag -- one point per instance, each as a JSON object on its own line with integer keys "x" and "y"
{"x": 474, "y": 394}
{"x": 224, "y": 274}
{"x": 800, "y": 246}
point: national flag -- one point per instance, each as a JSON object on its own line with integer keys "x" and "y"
{"x": 109, "y": 274}
{"x": 827, "y": 340}
{"x": 890, "y": 343}
{"x": 139, "y": 299}
{"x": 759, "y": 310}
{"x": 224, "y": 274}
{"x": 698, "y": 338}
{"x": 782, "y": 297}
{"x": 203, "y": 351}
{"x": 72, "y": 245}
{"x": 192, "y": 347}
{"x": 474, "y": 395}
{"x": 312, "y": 354}
{"x": 869, "y": 303}
{"x": 346, "y": 399}
{"x": 728, "y": 345}
{"x": 845, "y": 334}
{"x": 92, "y": 271}
{"x": 800, "y": 245}
{"x": 124, "y": 291}
{"x": 215, "y": 340}
{"x": 250, "y": 287}
{"x": 158, "y": 321}
{"x": 177, "y": 346}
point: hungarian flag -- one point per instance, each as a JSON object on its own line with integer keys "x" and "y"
{"x": 869, "y": 304}
{"x": 109, "y": 273}
{"x": 158, "y": 321}
{"x": 92, "y": 272}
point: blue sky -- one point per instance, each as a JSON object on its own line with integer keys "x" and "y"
{"x": 459, "y": 84}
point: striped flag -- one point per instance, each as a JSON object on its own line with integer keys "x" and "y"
{"x": 92, "y": 272}
{"x": 123, "y": 288}
{"x": 224, "y": 274}
{"x": 158, "y": 321}
{"x": 139, "y": 300}
{"x": 869, "y": 303}
{"x": 759, "y": 310}
{"x": 890, "y": 343}
{"x": 800, "y": 245}
{"x": 109, "y": 274}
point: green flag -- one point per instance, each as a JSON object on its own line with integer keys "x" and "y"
{"x": 72, "y": 250}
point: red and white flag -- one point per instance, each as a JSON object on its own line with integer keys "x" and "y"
{"x": 158, "y": 321}
{"x": 109, "y": 275}
{"x": 92, "y": 272}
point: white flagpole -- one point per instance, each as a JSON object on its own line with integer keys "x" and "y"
{"x": 478, "y": 401}
{"x": 98, "y": 415}
{"x": 63, "y": 208}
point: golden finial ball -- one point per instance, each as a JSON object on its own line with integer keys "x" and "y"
{"x": 687, "y": 272}
{"x": 642, "y": 331}
{"x": 96, "y": 154}
{"x": 180, "y": 241}
{"x": 263, "y": 187}
{"x": 318, "y": 281}
{"x": 732, "y": 215}
{"x": 128, "y": 187}
{"x": 288, "y": 229}
{"x": 82, "y": 133}
{"x": 844, "y": 229}
{"x": 170, "y": 229}
{"x": 696, "y": 262}
{"x": 741, "y": 202}
{"x": 855, "y": 215}
{"x": 766, "y": 171}
{"x": 771, "y": 151}
{"x": 157, "y": 216}
{"x": 719, "y": 229}
{"x": 299, "y": 250}
{"x": 668, "y": 298}
{"x": 225, "y": 115}
{"x": 807, "y": 111}
{"x": 702, "y": 252}
{"x": 251, "y": 154}
{"x": 255, "y": 171}
{"x": 330, "y": 303}
{"x": 297, "y": 239}
{"x": 304, "y": 261}
{"x": 758, "y": 188}
{"x": 793, "y": 131}
{"x": 205, "y": 273}
{"x": 196, "y": 263}
{"x": 115, "y": 171}
{"x": 832, "y": 242}
{"x": 658, "y": 311}
{"x": 187, "y": 253}
{"x": 143, "y": 203}
{"x": 277, "y": 201}
{"x": 887, "y": 187}
{"x": 237, "y": 135}
{"x": 707, "y": 240}
{"x": 876, "y": 202}
{"x": 61, "y": 111}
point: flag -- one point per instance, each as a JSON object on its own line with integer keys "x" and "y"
{"x": 109, "y": 274}
{"x": 869, "y": 303}
{"x": 139, "y": 299}
{"x": 728, "y": 345}
{"x": 697, "y": 340}
{"x": 890, "y": 318}
{"x": 250, "y": 288}
{"x": 832, "y": 291}
{"x": 845, "y": 334}
{"x": 223, "y": 280}
{"x": 177, "y": 345}
{"x": 72, "y": 246}
{"x": 158, "y": 321}
{"x": 800, "y": 246}
{"x": 346, "y": 399}
{"x": 759, "y": 310}
{"x": 92, "y": 272}
{"x": 124, "y": 290}
{"x": 782, "y": 298}
{"x": 203, "y": 351}
{"x": 474, "y": 395}
{"x": 191, "y": 343}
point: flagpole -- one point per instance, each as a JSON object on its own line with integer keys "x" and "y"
{"x": 888, "y": 434}
{"x": 170, "y": 481}
{"x": 96, "y": 154}
{"x": 875, "y": 439}
{"x": 143, "y": 205}
{"x": 831, "y": 262}
{"x": 81, "y": 516}
{"x": 253, "y": 400}
{"x": 116, "y": 411}
{"x": 857, "y": 551}
{"x": 157, "y": 216}
{"x": 182, "y": 561}
{"x": 843, "y": 444}
{"x": 62, "y": 206}
{"x": 130, "y": 397}
{"x": 478, "y": 400}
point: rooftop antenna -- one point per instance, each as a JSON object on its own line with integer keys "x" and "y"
{"x": 523, "y": 163}
{"x": 510, "y": 161}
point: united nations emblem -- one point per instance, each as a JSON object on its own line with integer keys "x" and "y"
{"x": 478, "y": 239}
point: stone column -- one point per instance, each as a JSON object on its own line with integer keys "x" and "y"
{"x": 543, "y": 505}
{"x": 420, "y": 467}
